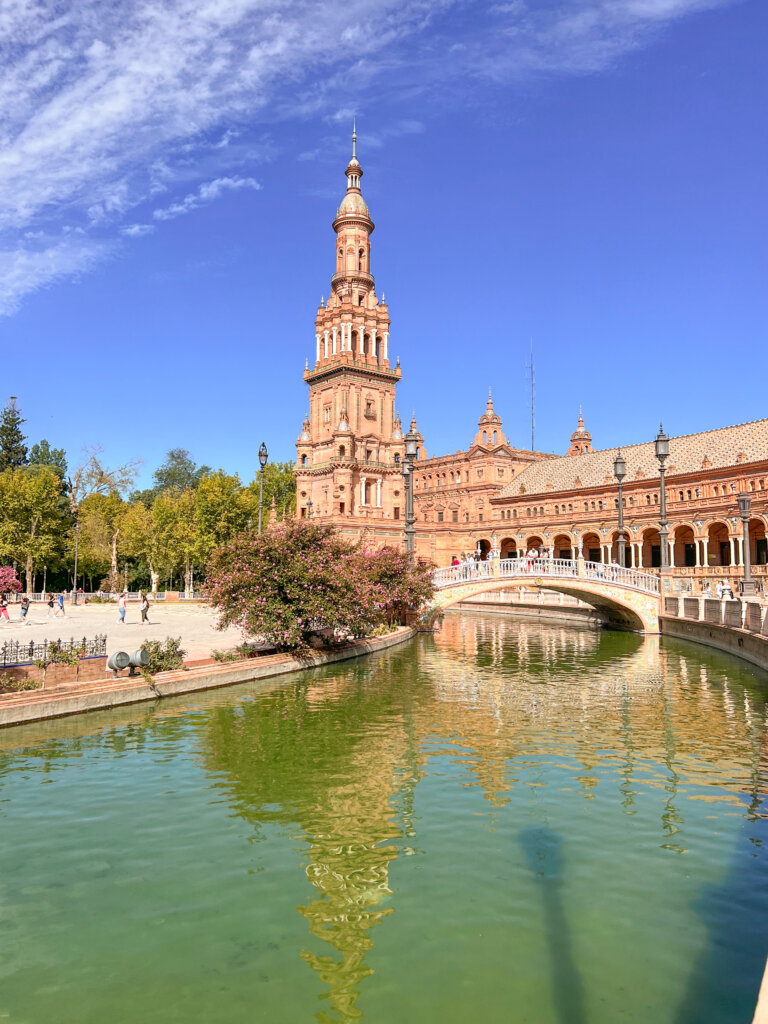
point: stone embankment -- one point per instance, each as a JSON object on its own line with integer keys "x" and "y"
{"x": 73, "y": 698}
{"x": 537, "y": 604}
{"x": 736, "y": 627}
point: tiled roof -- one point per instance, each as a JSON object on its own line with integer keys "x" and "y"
{"x": 690, "y": 453}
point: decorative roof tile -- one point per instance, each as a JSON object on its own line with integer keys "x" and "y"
{"x": 689, "y": 453}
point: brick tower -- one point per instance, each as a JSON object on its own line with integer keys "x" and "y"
{"x": 351, "y": 444}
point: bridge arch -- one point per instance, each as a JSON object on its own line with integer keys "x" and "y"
{"x": 627, "y": 599}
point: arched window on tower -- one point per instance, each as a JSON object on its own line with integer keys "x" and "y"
{"x": 494, "y": 437}
{"x": 485, "y": 437}
{"x": 361, "y": 260}
{"x": 303, "y": 460}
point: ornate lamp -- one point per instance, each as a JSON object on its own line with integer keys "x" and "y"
{"x": 662, "y": 452}
{"x": 620, "y": 471}
{"x": 263, "y": 456}
{"x": 747, "y": 586}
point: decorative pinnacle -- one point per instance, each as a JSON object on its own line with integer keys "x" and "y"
{"x": 354, "y": 139}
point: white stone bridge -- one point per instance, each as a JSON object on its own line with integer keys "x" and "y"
{"x": 627, "y": 597}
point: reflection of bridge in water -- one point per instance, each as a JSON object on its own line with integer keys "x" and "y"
{"x": 628, "y": 598}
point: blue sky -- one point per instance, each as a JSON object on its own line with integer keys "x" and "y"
{"x": 590, "y": 174}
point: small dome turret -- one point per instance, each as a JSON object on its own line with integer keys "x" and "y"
{"x": 581, "y": 439}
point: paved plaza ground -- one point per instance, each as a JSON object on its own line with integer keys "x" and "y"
{"x": 194, "y": 623}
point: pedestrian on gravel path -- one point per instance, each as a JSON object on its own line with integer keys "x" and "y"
{"x": 144, "y": 608}
{"x": 122, "y": 603}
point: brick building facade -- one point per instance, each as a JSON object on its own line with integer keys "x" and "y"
{"x": 350, "y": 451}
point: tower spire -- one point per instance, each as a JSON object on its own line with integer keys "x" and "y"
{"x": 354, "y": 138}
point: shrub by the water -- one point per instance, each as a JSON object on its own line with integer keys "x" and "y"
{"x": 10, "y": 685}
{"x": 164, "y": 655}
{"x": 302, "y": 580}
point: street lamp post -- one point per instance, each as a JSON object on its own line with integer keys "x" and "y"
{"x": 77, "y": 541}
{"x": 45, "y": 579}
{"x": 620, "y": 471}
{"x": 411, "y": 448}
{"x": 662, "y": 452}
{"x": 263, "y": 456}
{"x": 747, "y": 586}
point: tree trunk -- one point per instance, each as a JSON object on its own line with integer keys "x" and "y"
{"x": 28, "y": 574}
{"x": 187, "y": 578}
{"x": 114, "y": 555}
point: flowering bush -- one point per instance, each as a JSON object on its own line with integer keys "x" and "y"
{"x": 301, "y": 580}
{"x": 9, "y": 580}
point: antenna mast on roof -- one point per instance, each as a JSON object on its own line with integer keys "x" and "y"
{"x": 532, "y": 379}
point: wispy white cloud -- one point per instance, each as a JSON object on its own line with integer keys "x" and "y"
{"x": 24, "y": 270}
{"x": 207, "y": 192}
{"x": 137, "y": 230}
{"x": 108, "y": 103}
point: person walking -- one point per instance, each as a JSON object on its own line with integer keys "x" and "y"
{"x": 24, "y": 610}
{"x": 60, "y": 606}
{"x": 49, "y": 602}
{"x": 144, "y": 608}
{"x": 4, "y": 608}
{"x": 727, "y": 592}
{"x": 122, "y": 603}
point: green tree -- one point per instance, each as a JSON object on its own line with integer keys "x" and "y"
{"x": 177, "y": 473}
{"x": 55, "y": 459}
{"x": 100, "y": 520}
{"x": 13, "y": 450}
{"x": 279, "y": 490}
{"x": 32, "y": 519}
{"x": 174, "y": 533}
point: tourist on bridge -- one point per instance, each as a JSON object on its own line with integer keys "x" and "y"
{"x": 122, "y": 603}
{"x": 532, "y": 555}
{"x": 707, "y": 589}
{"x": 24, "y": 610}
{"x": 4, "y": 608}
{"x": 719, "y": 590}
{"x": 727, "y": 591}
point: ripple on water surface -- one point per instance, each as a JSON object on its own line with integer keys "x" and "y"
{"x": 504, "y": 822}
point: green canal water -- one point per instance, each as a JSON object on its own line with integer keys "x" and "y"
{"x": 504, "y": 822}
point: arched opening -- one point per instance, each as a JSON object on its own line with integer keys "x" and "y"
{"x": 484, "y": 547}
{"x": 494, "y": 437}
{"x": 534, "y": 542}
{"x": 758, "y": 546}
{"x": 361, "y": 260}
{"x": 485, "y": 437}
{"x": 719, "y": 545}
{"x": 366, "y": 345}
{"x": 562, "y": 546}
{"x": 685, "y": 546}
{"x": 508, "y": 547}
{"x": 342, "y": 452}
{"x": 592, "y": 547}
{"x": 651, "y": 549}
{"x": 397, "y": 460}
{"x": 303, "y": 460}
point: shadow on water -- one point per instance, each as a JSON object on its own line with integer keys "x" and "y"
{"x": 725, "y": 979}
{"x": 543, "y": 848}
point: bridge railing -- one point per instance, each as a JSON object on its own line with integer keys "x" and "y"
{"x": 553, "y": 567}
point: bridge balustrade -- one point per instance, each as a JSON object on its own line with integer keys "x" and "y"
{"x": 509, "y": 568}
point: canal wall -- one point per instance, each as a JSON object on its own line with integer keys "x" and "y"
{"x": 547, "y": 606}
{"x": 734, "y": 627}
{"x": 550, "y": 614}
{"x": 72, "y": 699}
